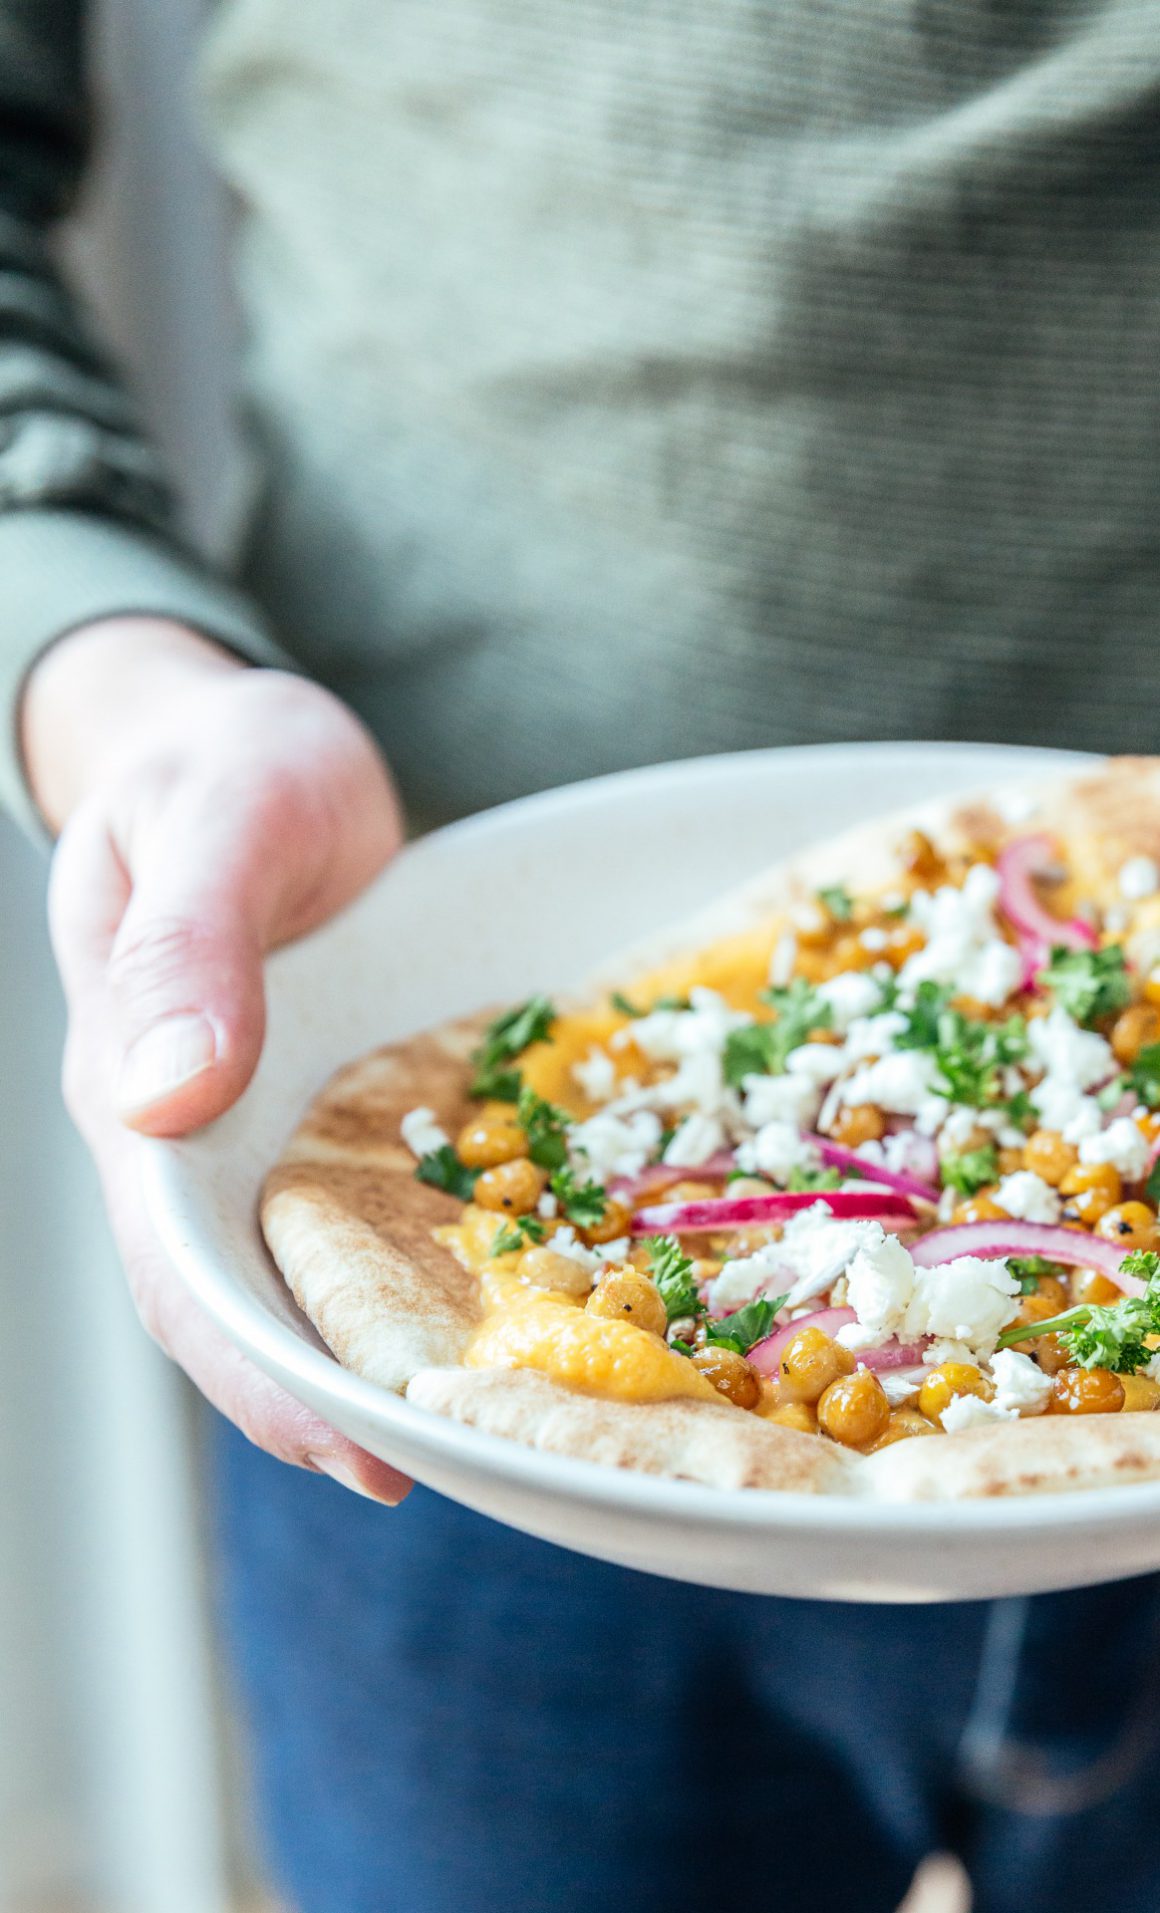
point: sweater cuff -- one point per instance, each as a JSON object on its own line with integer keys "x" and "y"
{"x": 63, "y": 569}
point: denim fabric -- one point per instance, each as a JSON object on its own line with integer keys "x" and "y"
{"x": 447, "y": 1717}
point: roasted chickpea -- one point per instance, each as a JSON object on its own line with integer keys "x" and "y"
{"x": 1048, "y": 1156}
{"x": 797, "y": 1415}
{"x": 692, "y": 1190}
{"x": 1130, "y": 1225}
{"x": 612, "y": 1225}
{"x": 948, "y": 1380}
{"x": 1134, "y": 1029}
{"x": 491, "y": 1138}
{"x": 624, "y": 1296}
{"x": 730, "y": 1374}
{"x": 1086, "y": 1391}
{"x": 511, "y": 1187}
{"x": 1089, "y": 1285}
{"x": 545, "y": 1268}
{"x": 919, "y": 856}
{"x": 1010, "y": 1161}
{"x": 810, "y": 1361}
{"x": 1092, "y": 1189}
{"x": 1141, "y": 1393}
{"x": 976, "y": 1138}
{"x": 903, "y": 1424}
{"x": 1049, "y": 1352}
{"x": 858, "y": 1124}
{"x": 854, "y": 1409}
{"x": 980, "y": 1208}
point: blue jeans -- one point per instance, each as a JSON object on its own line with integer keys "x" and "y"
{"x": 447, "y": 1717}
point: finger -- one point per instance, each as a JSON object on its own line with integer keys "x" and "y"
{"x": 270, "y": 1417}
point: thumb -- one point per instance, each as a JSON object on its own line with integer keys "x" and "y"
{"x": 163, "y": 969}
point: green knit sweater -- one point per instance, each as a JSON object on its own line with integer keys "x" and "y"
{"x": 635, "y": 381}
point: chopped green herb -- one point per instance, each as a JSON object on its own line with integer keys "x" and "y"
{"x": 664, "y": 1139}
{"x": 899, "y": 909}
{"x": 544, "y": 1126}
{"x": 1110, "y": 1094}
{"x": 509, "y": 1035}
{"x": 760, "y": 1049}
{"x": 1143, "y": 1078}
{"x": 1029, "y": 1270}
{"x": 802, "y": 1179}
{"x": 515, "y": 1234}
{"x": 622, "y": 1003}
{"x": 970, "y": 1169}
{"x": 1088, "y": 984}
{"x": 672, "y": 1271}
{"x": 443, "y": 1170}
{"x": 584, "y": 1203}
{"x": 922, "y": 1026}
{"x": 679, "y": 1347}
{"x": 1106, "y": 1337}
{"x": 836, "y": 899}
{"x": 746, "y": 1326}
{"x": 627, "y": 1007}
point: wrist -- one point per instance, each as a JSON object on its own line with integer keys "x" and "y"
{"x": 95, "y": 696}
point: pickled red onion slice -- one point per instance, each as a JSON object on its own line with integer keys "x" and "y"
{"x": 766, "y": 1355}
{"x": 1038, "y": 930}
{"x": 741, "y": 1212}
{"x": 1073, "y": 1247}
{"x": 843, "y": 1158}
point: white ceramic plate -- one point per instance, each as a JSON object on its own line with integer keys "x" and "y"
{"x": 530, "y": 897}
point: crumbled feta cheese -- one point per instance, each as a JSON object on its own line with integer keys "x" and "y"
{"x": 1061, "y": 1106}
{"x": 422, "y": 1132}
{"x": 1020, "y": 1384}
{"x": 776, "y": 1149}
{"x": 969, "y": 1300}
{"x": 747, "y": 1276}
{"x": 815, "y": 1248}
{"x": 596, "y": 1075}
{"x": 971, "y": 1411}
{"x": 1063, "y": 1050}
{"x": 565, "y": 1243}
{"x": 850, "y": 994}
{"x": 666, "y": 1036}
{"x": 782, "y": 960}
{"x": 789, "y": 1099}
{"x": 820, "y": 1062}
{"x": 901, "y": 1384}
{"x": 879, "y": 1284}
{"x": 547, "y": 1207}
{"x": 963, "y": 947}
{"x": 874, "y": 938}
{"x": 616, "y": 1251}
{"x": 1027, "y": 1196}
{"x": 696, "y": 1139}
{"x": 1139, "y": 877}
{"x": 612, "y": 1145}
{"x": 868, "y": 1036}
{"x": 1120, "y": 1144}
{"x": 902, "y": 1082}
{"x": 946, "y": 1350}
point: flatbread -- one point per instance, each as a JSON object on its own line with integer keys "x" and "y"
{"x": 351, "y": 1228}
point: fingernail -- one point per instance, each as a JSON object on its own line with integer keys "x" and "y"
{"x": 346, "y": 1478}
{"x": 166, "y": 1057}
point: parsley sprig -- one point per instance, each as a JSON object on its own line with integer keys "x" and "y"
{"x": 627, "y": 1007}
{"x": 836, "y": 900}
{"x": 761, "y": 1049}
{"x": 1111, "y": 1336}
{"x": 584, "y": 1203}
{"x": 969, "y": 1170}
{"x": 508, "y": 1036}
{"x": 972, "y": 1056}
{"x": 545, "y": 1125}
{"x": 443, "y": 1169}
{"x": 515, "y": 1234}
{"x": 672, "y": 1271}
{"x": 746, "y": 1326}
{"x": 1088, "y": 984}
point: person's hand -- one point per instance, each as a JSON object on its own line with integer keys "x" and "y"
{"x": 207, "y": 813}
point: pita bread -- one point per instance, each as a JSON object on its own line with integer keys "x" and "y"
{"x": 351, "y": 1228}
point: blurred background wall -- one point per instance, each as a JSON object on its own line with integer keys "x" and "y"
{"x": 111, "y": 1748}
